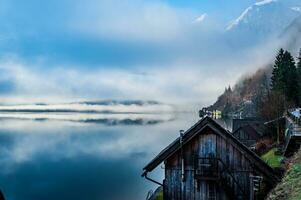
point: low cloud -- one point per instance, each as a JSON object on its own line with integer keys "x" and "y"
{"x": 174, "y": 84}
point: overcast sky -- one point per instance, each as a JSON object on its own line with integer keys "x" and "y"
{"x": 65, "y": 50}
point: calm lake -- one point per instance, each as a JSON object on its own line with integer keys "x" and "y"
{"x": 61, "y": 159}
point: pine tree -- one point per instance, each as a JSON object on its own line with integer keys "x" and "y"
{"x": 291, "y": 84}
{"x": 276, "y": 79}
{"x": 284, "y": 78}
{"x": 299, "y": 63}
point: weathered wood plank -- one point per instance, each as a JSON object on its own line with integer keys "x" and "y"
{"x": 207, "y": 144}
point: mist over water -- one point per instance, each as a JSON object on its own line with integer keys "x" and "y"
{"x": 61, "y": 159}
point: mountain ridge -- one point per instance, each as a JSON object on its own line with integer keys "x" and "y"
{"x": 260, "y": 22}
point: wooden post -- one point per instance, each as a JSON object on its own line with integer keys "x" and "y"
{"x": 182, "y": 166}
{"x": 251, "y": 188}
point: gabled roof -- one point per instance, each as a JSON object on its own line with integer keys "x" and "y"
{"x": 237, "y": 123}
{"x": 250, "y": 130}
{"x": 207, "y": 122}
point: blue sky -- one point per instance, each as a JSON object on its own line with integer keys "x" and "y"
{"x": 79, "y": 32}
{"x": 65, "y": 50}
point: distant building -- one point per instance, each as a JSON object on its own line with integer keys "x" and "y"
{"x": 254, "y": 122}
{"x": 207, "y": 162}
{"x": 248, "y": 131}
{"x": 247, "y": 135}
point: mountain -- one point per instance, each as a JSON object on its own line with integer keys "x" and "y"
{"x": 248, "y": 94}
{"x": 245, "y": 97}
{"x": 263, "y": 19}
{"x": 291, "y": 36}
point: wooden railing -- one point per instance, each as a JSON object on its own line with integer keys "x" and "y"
{"x": 292, "y": 129}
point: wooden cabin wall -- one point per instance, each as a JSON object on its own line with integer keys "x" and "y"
{"x": 244, "y": 137}
{"x": 204, "y": 145}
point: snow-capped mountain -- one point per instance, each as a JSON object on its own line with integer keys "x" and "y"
{"x": 264, "y": 18}
{"x": 291, "y": 36}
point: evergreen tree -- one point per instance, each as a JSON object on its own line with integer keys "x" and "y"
{"x": 277, "y": 83}
{"x": 284, "y": 78}
{"x": 291, "y": 79}
{"x": 299, "y": 63}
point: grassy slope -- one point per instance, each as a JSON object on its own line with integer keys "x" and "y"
{"x": 290, "y": 186}
{"x": 271, "y": 159}
{"x": 160, "y": 196}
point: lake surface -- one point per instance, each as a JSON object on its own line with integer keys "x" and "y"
{"x": 66, "y": 158}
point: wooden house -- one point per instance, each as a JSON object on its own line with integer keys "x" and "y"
{"x": 248, "y": 131}
{"x": 208, "y": 163}
{"x": 254, "y": 122}
{"x": 247, "y": 134}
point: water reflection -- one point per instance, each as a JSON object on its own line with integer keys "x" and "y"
{"x": 70, "y": 159}
{"x": 105, "y": 119}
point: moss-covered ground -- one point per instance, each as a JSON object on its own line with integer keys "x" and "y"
{"x": 290, "y": 186}
{"x": 159, "y": 196}
{"x": 272, "y": 159}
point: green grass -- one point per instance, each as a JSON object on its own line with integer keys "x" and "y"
{"x": 271, "y": 159}
{"x": 290, "y": 186}
{"x": 293, "y": 182}
{"x": 160, "y": 196}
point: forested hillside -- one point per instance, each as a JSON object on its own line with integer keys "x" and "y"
{"x": 267, "y": 92}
